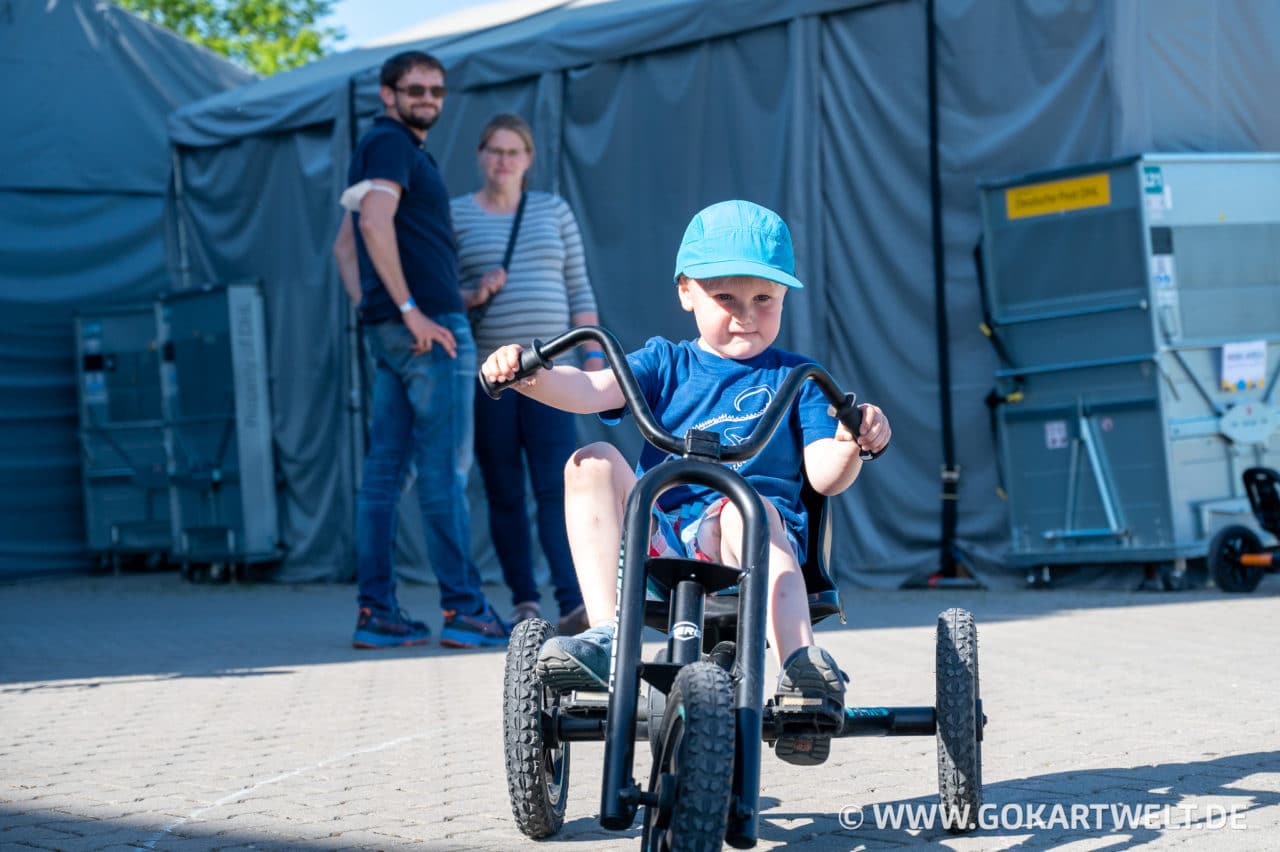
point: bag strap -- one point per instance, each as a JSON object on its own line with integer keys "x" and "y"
{"x": 477, "y": 313}
{"x": 515, "y": 230}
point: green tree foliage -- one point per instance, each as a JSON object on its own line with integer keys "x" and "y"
{"x": 265, "y": 36}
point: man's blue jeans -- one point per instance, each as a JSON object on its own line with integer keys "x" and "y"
{"x": 422, "y": 410}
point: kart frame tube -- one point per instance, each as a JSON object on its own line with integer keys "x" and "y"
{"x": 858, "y": 722}
{"x": 619, "y": 798}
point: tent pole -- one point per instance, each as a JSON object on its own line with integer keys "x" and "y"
{"x": 950, "y": 572}
{"x": 357, "y": 376}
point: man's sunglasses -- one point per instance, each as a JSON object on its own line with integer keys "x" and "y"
{"x": 417, "y": 90}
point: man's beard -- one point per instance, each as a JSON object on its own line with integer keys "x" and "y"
{"x": 418, "y": 122}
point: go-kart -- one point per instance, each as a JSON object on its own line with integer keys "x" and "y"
{"x": 700, "y": 702}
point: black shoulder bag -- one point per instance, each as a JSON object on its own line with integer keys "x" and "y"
{"x": 477, "y": 313}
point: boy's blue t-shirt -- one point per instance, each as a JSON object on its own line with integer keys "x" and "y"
{"x": 690, "y": 388}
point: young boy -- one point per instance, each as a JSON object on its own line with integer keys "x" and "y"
{"x": 733, "y": 270}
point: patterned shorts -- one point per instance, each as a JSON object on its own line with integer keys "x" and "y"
{"x": 677, "y": 533}
{"x": 681, "y": 534}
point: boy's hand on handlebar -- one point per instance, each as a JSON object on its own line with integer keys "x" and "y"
{"x": 875, "y": 433}
{"x": 503, "y": 364}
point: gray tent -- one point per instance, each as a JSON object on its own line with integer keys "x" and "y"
{"x": 85, "y": 167}
{"x": 646, "y": 110}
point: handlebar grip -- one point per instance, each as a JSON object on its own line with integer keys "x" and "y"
{"x": 531, "y": 361}
{"x": 848, "y": 413}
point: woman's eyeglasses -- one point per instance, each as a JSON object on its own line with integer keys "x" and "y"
{"x": 417, "y": 90}
{"x": 504, "y": 153}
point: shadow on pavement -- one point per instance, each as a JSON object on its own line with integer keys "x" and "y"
{"x": 1120, "y": 792}
{"x": 164, "y": 627}
{"x": 76, "y": 629}
{"x": 1125, "y": 807}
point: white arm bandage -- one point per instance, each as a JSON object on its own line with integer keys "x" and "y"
{"x": 354, "y": 194}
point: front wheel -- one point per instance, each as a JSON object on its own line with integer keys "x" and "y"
{"x": 1225, "y": 551}
{"x": 537, "y": 770}
{"x": 692, "y": 775}
{"x": 960, "y": 721}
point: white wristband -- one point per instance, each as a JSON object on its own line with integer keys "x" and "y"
{"x": 408, "y": 306}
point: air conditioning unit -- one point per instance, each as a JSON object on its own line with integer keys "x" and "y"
{"x": 217, "y": 426}
{"x": 124, "y": 470}
{"x": 1136, "y": 308}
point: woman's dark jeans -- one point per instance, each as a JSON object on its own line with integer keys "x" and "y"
{"x": 513, "y": 431}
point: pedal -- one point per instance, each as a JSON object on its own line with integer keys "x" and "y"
{"x": 808, "y": 714}
{"x": 590, "y": 698}
{"x": 801, "y": 703}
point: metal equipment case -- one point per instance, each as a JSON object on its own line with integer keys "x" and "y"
{"x": 1136, "y": 307}
{"x": 126, "y": 498}
{"x": 218, "y": 426}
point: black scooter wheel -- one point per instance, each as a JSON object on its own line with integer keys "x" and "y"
{"x": 692, "y": 773}
{"x": 1225, "y": 551}
{"x": 959, "y": 715}
{"x": 537, "y": 770}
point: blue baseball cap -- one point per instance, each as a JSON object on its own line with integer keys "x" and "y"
{"x": 738, "y": 238}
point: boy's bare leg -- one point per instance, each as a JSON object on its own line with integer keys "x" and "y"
{"x": 788, "y": 605}
{"x": 812, "y": 674}
{"x": 597, "y": 480}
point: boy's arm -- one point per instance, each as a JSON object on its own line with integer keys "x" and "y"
{"x": 832, "y": 464}
{"x": 566, "y": 388}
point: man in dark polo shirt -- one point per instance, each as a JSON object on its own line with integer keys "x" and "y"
{"x": 396, "y": 256}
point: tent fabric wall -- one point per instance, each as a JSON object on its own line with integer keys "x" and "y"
{"x": 878, "y": 315}
{"x": 277, "y": 240}
{"x": 645, "y": 112}
{"x": 88, "y": 89}
{"x": 1051, "y": 103}
{"x": 635, "y": 170}
{"x": 573, "y": 34}
{"x": 83, "y": 177}
{"x": 636, "y": 135}
{"x": 1189, "y": 75}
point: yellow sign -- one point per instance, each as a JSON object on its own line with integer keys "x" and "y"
{"x": 1058, "y": 196}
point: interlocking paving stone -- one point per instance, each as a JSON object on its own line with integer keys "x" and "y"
{"x": 146, "y": 712}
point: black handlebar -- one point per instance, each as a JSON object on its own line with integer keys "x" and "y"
{"x": 539, "y": 355}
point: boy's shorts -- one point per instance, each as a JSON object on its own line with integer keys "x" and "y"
{"x": 680, "y": 534}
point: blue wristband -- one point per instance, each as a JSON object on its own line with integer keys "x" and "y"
{"x": 408, "y": 306}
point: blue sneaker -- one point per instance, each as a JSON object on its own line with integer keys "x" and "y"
{"x": 577, "y": 662}
{"x": 378, "y": 628}
{"x": 485, "y": 630}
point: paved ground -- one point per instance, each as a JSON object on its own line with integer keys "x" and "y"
{"x": 142, "y": 711}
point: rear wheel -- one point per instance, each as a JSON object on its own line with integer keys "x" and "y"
{"x": 960, "y": 721}
{"x": 692, "y": 773}
{"x": 537, "y": 770}
{"x": 1225, "y": 551}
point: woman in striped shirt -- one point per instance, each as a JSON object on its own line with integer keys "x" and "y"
{"x": 545, "y": 291}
